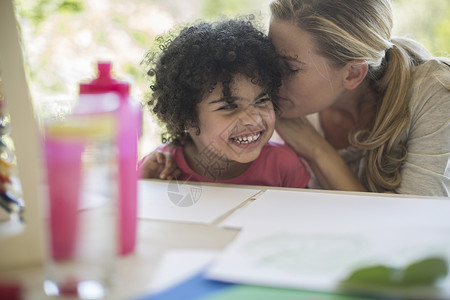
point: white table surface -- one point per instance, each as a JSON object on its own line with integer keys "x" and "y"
{"x": 135, "y": 270}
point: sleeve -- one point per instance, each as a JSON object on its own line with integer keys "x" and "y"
{"x": 426, "y": 170}
{"x": 295, "y": 174}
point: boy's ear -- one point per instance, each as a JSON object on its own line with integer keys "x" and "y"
{"x": 190, "y": 127}
{"x": 356, "y": 70}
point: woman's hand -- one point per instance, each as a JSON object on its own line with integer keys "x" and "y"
{"x": 159, "y": 165}
{"x": 301, "y": 136}
{"x": 329, "y": 168}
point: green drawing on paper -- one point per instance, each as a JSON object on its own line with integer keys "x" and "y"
{"x": 315, "y": 253}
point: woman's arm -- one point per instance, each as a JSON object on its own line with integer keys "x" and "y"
{"x": 329, "y": 168}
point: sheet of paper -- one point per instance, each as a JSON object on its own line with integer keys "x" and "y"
{"x": 359, "y": 210}
{"x": 188, "y": 285}
{"x": 286, "y": 255}
{"x": 178, "y": 265}
{"x": 188, "y": 202}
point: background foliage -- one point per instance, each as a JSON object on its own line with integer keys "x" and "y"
{"x": 63, "y": 39}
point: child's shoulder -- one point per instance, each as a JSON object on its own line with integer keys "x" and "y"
{"x": 163, "y": 148}
{"x": 279, "y": 149}
{"x": 168, "y": 147}
{"x": 291, "y": 167}
{"x": 277, "y": 146}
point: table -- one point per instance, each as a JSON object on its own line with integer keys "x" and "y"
{"x": 135, "y": 270}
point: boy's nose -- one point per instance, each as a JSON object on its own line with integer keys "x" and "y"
{"x": 250, "y": 116}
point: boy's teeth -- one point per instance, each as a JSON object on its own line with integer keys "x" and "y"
{"x": 247, "y": 139}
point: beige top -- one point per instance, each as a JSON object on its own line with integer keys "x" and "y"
{"x": 426, "y": 170}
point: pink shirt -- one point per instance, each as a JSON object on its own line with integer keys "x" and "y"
{"x": 277, "y": 165}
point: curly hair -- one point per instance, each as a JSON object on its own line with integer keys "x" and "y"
{"x": 188, "y": 66}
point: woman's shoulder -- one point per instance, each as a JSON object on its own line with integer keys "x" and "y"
{"x": 430, "y": 85}
{"x": 433, "y": 72}
{"x": 429, "y": 102}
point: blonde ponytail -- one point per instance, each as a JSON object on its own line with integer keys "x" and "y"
{"x": 385, "y": 153}
{"x": 342, "y": 37}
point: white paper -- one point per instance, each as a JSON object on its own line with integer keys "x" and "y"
{"x": 178, "y": 265}
{"x": 288, "y": 256}
{"x": 358, "y": 210}
{"x": 188, "y": 202}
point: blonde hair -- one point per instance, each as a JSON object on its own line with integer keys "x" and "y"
{"x": 346, "y": 30}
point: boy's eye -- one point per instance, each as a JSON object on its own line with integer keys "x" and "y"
{"x": 263, "y": 101}
{"x": 228, "y": 106}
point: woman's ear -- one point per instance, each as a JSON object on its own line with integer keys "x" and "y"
{"x": 356, "y": 70}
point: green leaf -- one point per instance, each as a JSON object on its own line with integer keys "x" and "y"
{"x": 423, "y": 272}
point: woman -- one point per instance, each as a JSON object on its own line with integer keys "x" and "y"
{"x": 381, "y": 104}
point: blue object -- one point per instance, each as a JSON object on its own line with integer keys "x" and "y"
{"x": 193, "y": 288}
